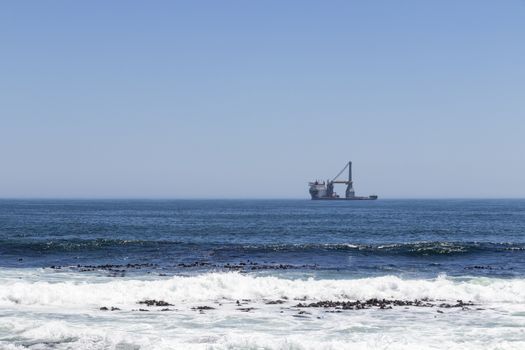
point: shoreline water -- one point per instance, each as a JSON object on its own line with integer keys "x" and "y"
{"x": 225, "y": 310}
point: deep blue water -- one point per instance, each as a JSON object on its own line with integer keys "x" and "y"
{"x": 347, "y": 238}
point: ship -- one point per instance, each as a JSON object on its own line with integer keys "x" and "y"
{"x": 324, "y": 190}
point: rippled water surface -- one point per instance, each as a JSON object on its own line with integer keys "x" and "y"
{"x": 252, "y": 262}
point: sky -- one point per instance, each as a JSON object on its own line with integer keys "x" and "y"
{"x": 253, "y": 99}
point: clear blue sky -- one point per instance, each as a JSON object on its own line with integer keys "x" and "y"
{"x": 215, "y": 99}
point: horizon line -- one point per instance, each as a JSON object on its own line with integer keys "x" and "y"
{"x": 248, "y": 198}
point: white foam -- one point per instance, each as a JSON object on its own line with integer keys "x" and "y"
{"x": 66, "y": 313}
{"x": 422, "y": 336}
{"x": 233, "y": 286}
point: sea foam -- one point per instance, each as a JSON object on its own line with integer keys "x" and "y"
{"x": 234, "y": 286}
{"x": 36, "y": 313}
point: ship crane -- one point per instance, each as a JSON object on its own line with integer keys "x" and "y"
{"x": 350, "y": 193}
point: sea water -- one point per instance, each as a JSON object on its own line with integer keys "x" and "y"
{"x": 236, "y": 274}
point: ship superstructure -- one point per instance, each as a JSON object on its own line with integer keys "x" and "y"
{"x": 325, "y": 189}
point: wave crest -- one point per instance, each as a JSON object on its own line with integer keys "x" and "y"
{"x": 410, "y": 248}
{"x": 234, "y": 286}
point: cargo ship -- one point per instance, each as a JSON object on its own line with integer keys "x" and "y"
{"x": 321, "y": 190}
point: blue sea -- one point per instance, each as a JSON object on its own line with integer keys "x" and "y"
{"x": 262, "y": 274}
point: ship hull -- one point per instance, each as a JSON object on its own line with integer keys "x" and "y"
{"x": 373, "y": 198}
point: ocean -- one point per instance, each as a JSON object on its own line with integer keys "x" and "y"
{"x": 262, "y": 274}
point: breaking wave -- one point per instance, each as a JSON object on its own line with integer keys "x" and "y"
{"x": 236, "y": 286}
{"x": 63, "y": 312}
{"x": 416, "y": 248}
{"x": 413, "y": 248}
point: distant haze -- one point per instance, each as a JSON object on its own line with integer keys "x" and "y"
{"x": 242, "y": 99}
